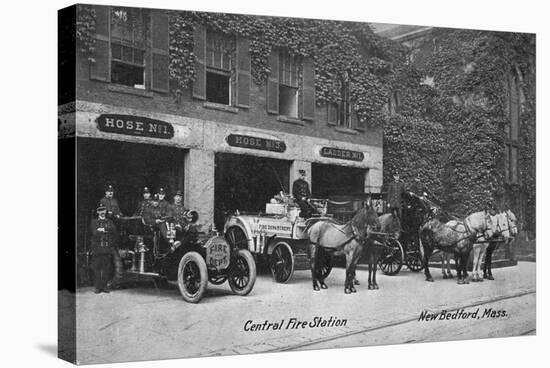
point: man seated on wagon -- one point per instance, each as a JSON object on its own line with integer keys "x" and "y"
{"x": 302, "y": 194}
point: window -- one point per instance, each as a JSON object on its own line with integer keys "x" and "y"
{"x": 341, "y": 112}
{"x": 219, "y": 52}
{"x": 290, "y": 90}
{"x": 289, "y": 71}
{"x": 128, "y": 47}
{"x": 394, "y": 102}
{"x": 131, "y": 49}
{"x": 512, "y": 135}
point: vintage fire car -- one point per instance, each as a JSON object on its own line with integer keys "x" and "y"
{"x": 278, "y": 237}
{"x": 189, "y": 262}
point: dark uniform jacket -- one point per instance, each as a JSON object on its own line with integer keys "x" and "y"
{"x": 151, "y": 214}
{"x": 111, "y": 205}
{"x": 178, "y": 212}
{"x": 103, "y": 242}
{"x": 300, "y": 189}
{"x": 143, "y": 204}
{"x": 395, "y": 190}
{"x": 166, "y": 207}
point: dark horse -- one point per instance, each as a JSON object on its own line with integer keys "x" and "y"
{"x": 390, "y": 225}
{"x": 349, "y": 239}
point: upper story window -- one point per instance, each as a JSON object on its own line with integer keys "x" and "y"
{"x": 131, "y": 48}
{"x": 341, "y": 113}
{"x": 222, "y": 68}
{"x": 289, "y": 72}
{"x": 291, "y": 86}
{"x": 128, "y": 47}
{"x": 219, "y": 57}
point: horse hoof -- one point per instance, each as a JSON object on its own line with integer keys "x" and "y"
{"x": 460, "y": 282}
{"x": 370, "y": 287}
{"x": 356, "y": 282}
{"x": 466, "y": 281}
{"x": 347, "y": 291}
{"x": 490, "y": 277}
{"x": 324, "y": 286}
{"x": 429, "y": 279}
{"x": 315, "y": 288}
{"x": 376, "y": 287}
{"x": 353, "y": 290}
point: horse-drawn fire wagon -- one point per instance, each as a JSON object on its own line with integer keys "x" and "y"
{"x": 189, "y": 261}
{"x": 278, "y": 236}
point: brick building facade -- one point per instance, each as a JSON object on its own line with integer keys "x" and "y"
{"x": 224, "y": 123}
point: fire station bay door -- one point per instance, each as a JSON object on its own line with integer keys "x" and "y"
{"x": 330, "y": 180}
{"x": 129, "y": 167}
{"x": 246, "y": 183}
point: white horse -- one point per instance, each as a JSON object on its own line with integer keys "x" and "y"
{"x": 506, "y": 225}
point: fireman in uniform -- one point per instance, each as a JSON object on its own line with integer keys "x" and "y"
{"x": 182, "y": 219}
{"x": 144, "y": 203}
{"x": 301, "y": 193}
{"x": 103, "y": 243}
{"x": 110, "y": 203}
{"x": 113, "y": 212}
{"x": 163, "y": 203}
{"x": 153, "y": 214}
{"x": 395, "y": 190}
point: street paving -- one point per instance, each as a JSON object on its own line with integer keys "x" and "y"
{"x": 145, "y": 322}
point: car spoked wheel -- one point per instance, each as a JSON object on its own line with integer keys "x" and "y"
{"x": 192, "y": 277}
{"x": 281, "y": 262}
{"x": 242, "y": 275}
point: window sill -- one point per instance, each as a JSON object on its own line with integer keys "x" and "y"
{"x": 346, "y": 130}
{"x": 130, "y": 90}
{"x": 220, "y": 107}
{"x": 288, "y": 120}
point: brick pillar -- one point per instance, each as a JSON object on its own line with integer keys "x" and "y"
{"x": 373, "y": 181}
{"x": 199, "y": 185}
{"x": 299, "y": 165}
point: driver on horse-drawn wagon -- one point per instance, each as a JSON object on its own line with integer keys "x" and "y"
{"x": 301, "y": 193}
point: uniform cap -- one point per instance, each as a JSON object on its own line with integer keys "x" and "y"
{"x": 179, "y": 193}
{"x": 161, "y": 190}
{"x": 146, "y": 190}
{"x": 109, "y": 188}
{"x": 156, "y": 197}
{"x": 101, "y": 208}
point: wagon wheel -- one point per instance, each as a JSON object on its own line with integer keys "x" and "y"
{"x": 242, "y": 274}
{"x": 217, "y": 280}
{"x": 413, "y": 257}
{"x": 324, "y": 263}
{"x": 281, "y": 262}
{"x": 192, "y": 277}
{"x": 391, "y": 259}
{"x": 236, "y": 237}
